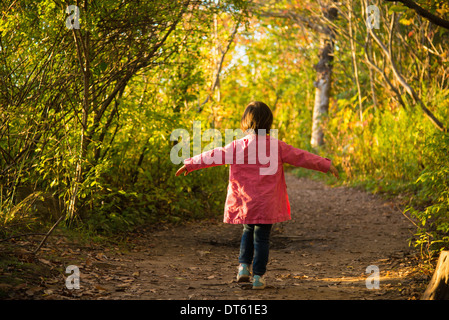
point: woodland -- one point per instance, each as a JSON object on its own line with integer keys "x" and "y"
{"x": 90, "y": 92}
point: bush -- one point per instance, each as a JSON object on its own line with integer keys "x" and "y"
{"x": 430, "y": 207}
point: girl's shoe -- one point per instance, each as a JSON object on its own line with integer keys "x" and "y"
{"x": 258, "y": 282}
{"x": 243, "y": 274}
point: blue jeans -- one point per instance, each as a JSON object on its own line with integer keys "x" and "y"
{"x": 254, "y": 246}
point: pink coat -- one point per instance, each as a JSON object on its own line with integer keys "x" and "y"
{"x": 256, "y": 196}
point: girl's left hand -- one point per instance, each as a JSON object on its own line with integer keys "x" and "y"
{"x": 181, "y": 170}
{"x": 334, "y": 171}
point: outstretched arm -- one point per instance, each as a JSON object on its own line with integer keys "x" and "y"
{"x": 211, "y": 158}
{"x": 305, "y": 159}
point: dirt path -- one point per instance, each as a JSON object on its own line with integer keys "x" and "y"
{"x": 322, "y": 253}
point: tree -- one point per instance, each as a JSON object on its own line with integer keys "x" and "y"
{"x": 438, "y": 287}
{"x": 323, "y": 68}
{"x": 62, "y": 89}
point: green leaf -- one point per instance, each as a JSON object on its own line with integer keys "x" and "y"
{"x": 397, "y": 8}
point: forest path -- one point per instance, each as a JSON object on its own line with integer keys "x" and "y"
{"x": 322, "y": 253}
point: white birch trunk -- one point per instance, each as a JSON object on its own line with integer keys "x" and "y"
{"x": 320, "y": 109}
{"x": 322, "y": 90}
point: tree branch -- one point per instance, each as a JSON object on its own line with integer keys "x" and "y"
{"x": 220, "y": 64}
{"x": 298, "y": 18}
{"x": 424, "y": 13}
{"x": 382, "y": 72}
{"x": 438, "y": 124}
{"x": 48, "y": 233}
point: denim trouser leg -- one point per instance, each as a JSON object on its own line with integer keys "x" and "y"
{"x": 254, "y": 246}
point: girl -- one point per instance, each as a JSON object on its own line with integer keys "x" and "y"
{"x": 256, "y": 198}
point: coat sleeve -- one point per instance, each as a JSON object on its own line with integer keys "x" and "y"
{"x": 212, "y": 158}
{"x": 302, "y": 158}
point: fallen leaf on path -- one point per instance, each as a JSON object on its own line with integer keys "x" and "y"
{"x": 100, "y": 288}
{"x": 101, "y": 256}
{"x": 44, "y": 261}
{"x": 4, "y": 286}
{"x": 33, "y": 291}
{"x": 20, "y": 286}
{"x": 203, "y": 253}
{"x": 48, "y": 292}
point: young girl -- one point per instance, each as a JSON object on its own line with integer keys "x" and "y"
{"x": 256, "y": 198}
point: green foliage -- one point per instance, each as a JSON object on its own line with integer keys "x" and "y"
{"x": 396, "y": 151}
{"x": 86, "y": 114}
{"x": 381, "y": 148}
{"x": 431, "y": 205}
{"x": 266, "y": 67}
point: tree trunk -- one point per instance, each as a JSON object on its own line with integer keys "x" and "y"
{"x": 438, "y": 288}
{"x": 83, "y": 47}
{"x": 320, "y": 108}
{"x": 354, "y": 60}
{"x": 322, "y": 88}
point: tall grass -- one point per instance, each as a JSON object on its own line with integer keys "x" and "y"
{"x": 397, "y": 151}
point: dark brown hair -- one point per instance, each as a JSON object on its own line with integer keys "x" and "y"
{"x": 257, "y": 116}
